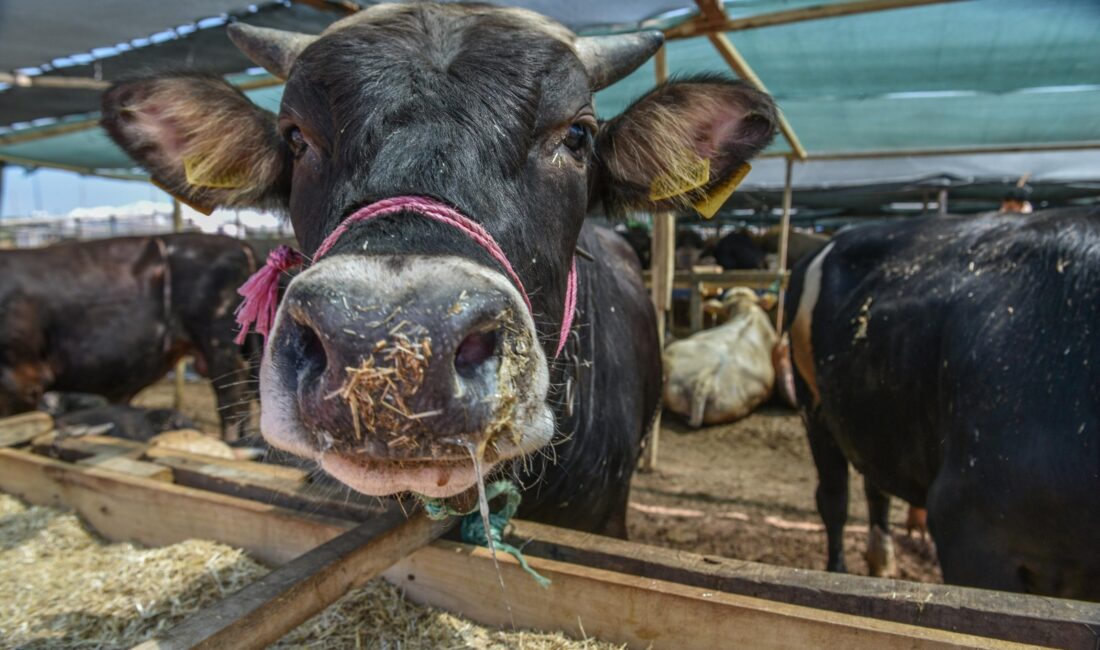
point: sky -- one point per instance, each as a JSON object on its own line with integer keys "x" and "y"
{"x": 57, "y": 192}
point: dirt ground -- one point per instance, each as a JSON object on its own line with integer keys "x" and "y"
{"x": 744, "y": 491}
{"x": 747, "y": 492}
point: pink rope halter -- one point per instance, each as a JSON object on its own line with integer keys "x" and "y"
{"x": 261, "y": 291}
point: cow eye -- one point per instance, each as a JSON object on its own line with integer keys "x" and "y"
{"x": 296, "y": 141}
{"x": 578, "y": 138}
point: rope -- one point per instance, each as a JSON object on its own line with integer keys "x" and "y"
{"x": 261, "y": 291}
{"x": 473, "y": 526}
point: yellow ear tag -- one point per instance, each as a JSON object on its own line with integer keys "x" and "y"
{"x": 686, "y": 174}
{"x": 708, "y": 205}
{"x": 230, "y": 180}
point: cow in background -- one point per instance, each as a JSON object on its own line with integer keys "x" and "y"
{"x": 738, "y": 251}
{"x": 113, "y": 316}
{"x": 483, "y": 115}
{"x": 637, "y": 236}
{"x": 954, "y": 362}
{"x": 721, "y": 374}
{"x": 800, "y": 243}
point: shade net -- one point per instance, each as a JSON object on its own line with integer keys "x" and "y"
{"x": 982, "y": 73}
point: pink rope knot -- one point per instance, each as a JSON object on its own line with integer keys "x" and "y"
{"x": 261, "y": 292}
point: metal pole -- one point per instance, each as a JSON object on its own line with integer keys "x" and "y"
{"x": 943, "y": 203}
{"x": 181, "y": 365}
{"x": 662, "y": 262}
{"x": 784, "y": 239}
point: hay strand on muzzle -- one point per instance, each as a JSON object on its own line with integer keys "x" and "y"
{"x": 377, "y": 390}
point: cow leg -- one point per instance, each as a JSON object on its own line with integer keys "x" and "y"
{"x": 229, "y": 374}
{"x": 971, "y": 551}
{"x": 881, "y": 559}
{"x": 832, "y": 488}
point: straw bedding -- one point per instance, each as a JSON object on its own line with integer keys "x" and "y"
{"x": 61, "y": 586}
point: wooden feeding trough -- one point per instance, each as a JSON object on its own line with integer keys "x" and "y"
{"x": 605, "y": 588}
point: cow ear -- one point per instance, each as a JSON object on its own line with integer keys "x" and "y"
{"x": 685, "y": 143}
{"x": 200, "y": 139}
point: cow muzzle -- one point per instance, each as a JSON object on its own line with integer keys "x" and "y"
{"x": 395, "y": 372}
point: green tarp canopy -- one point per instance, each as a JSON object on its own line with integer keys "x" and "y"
{"x": 973, "y": 76}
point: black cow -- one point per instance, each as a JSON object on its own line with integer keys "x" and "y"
{"x": 738, "y": 250}
{"x": 408, "y": 348}
{"x": 954, "y": 363}
{"x": 639, "y": 240}
{"x": 78, "y": 414}
{"x": 111, "y": 317}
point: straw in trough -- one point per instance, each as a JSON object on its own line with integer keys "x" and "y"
{"x": 61, "y": 586}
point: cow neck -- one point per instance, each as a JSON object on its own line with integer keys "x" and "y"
{"x": 260, "y": 292}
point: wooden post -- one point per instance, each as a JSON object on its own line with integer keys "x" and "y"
{"x": 943, "y": 203}
{"x": 696, "y": 307}
{"x": 784, "y": 238}
{"x": 663, "y": 264}
{"x": 181, "y": 365}
{"x": 740, "y": 66}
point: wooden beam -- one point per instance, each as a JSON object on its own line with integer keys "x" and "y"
{"x": 124, "y": 465}
{"x": 126, "y": 508}
{"x": 740, "y": 66}
{"x": 701, "y": 26}
{"x": 1016, "y": 617}
{"x": 662, "y": 259}
{"x": 21, "y": 429}
{"x": 587, "y": 602}
{"x": 84, "y": 171}
{"x": 252, "y": 481}
{"x": 725, "y": 279}
{"x": 49, "y": 81}
{"x": 269, "y": 608}
{"x": 784, "y": 237}
{"x": 1088, "y": 145}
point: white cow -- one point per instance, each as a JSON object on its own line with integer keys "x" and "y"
{"x": 721, "y": 374}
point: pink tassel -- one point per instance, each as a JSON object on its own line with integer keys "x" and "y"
{"x": 261, "y": 292}
{"x": 570, "y": 308}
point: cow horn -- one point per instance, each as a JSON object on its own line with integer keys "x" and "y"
{"x": 274, "y": 49}
{"x": 610, "y": 58}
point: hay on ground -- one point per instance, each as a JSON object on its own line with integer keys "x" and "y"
{"x": 61, "y": 586}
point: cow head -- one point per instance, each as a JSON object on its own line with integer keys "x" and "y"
{"x": 406, "y": 346}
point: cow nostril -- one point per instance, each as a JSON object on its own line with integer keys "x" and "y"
{"x": 474, "y": 351}
{"x": 312, "y": 358}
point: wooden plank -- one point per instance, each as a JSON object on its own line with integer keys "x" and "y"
{"x": 641, "y": 612}
{"x": 21, "y": 429}
{"x": 285, "y": 487}
{"x": 125, "y": 508}
{"x": 74, "y": 448}
{"x": 124, "y": 465}
{"x": 232, "y": 467}
{"x": 784, "y": 238}
{"x": 128, "y": 508}
{"x": 266, "y": 610}
{"x": 724, "y": 280}
{"x": 1017, "y": 617}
